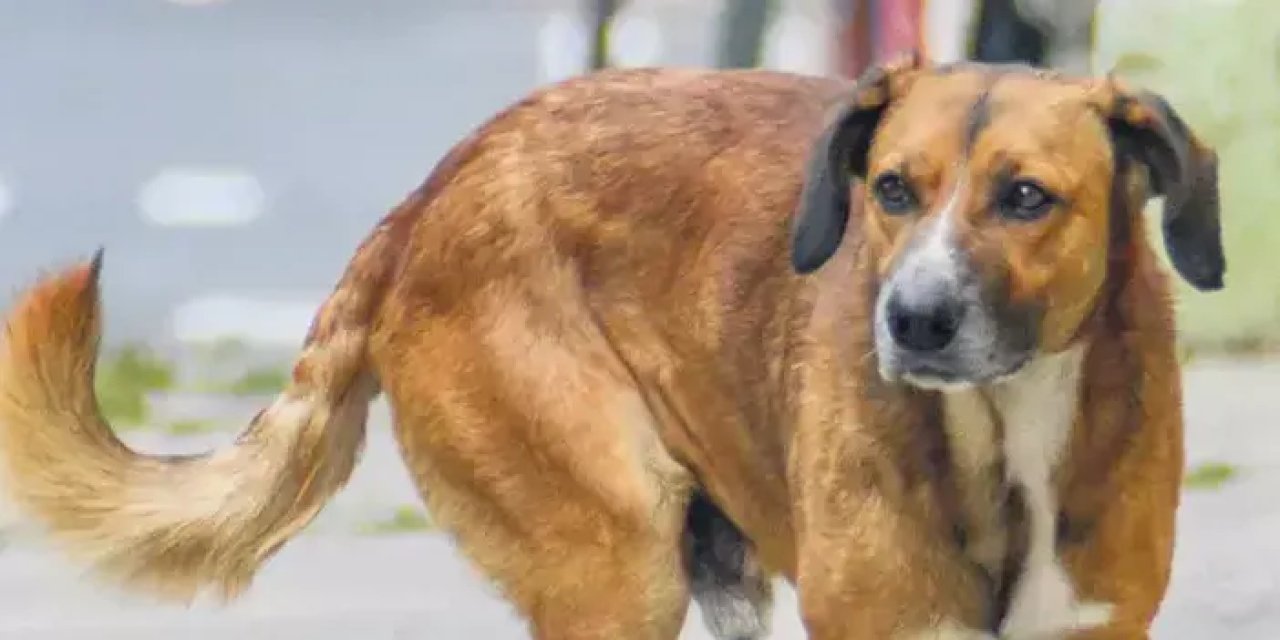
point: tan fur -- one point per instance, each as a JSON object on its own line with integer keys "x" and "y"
{"x": 589, "y": 310}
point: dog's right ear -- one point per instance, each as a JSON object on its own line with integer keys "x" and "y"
{"x": 838, "y": 156}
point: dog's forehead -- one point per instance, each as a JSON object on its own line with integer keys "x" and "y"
{"x": 947, "y": 112}
{"x": 936, "y": 106}
{"x": 1044, "y": 109}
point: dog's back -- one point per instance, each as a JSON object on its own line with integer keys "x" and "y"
{"x": 637, "y": 177}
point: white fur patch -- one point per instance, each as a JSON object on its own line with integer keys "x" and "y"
{"x": 951, "y": 631}
{"x": 1038, "y": 408}
{"x": 732, "y": 615}
{"x": 937, "y": 252}
{"x": 933, "y": 260}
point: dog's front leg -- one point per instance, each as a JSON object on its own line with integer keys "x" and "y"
{"x": 874, "y": 562}
{"x": 1120, "y": 497}
{"x": 1120, "y": 552}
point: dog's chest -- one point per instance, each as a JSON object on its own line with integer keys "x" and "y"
{"x": 1006, "y": 441}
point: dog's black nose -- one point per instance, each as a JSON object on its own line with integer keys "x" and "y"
{"x": 926, "y": 326}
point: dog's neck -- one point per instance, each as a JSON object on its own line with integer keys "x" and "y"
{"x": 1022, "y": 426}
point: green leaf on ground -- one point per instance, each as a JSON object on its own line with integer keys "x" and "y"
{"x": 191, "y": 426}
{"x": 1210, "y": 475}
{"x": 404, "y": 519}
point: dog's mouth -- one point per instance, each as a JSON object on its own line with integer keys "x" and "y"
{"x": 935, "y": 378}
{"x": 952, "y": 374}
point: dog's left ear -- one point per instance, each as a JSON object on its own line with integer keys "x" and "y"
{"x": 1181, "y": 168}
{"x": 838, "y": 156}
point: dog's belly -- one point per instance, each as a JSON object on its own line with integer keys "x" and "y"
{"x": 740, "y": 469}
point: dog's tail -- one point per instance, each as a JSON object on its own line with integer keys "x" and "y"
{"x": 177, "y": 525}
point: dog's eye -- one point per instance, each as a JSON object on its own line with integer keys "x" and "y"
{"x": 893, "y": 194}
{"x": 1024, "y": 200}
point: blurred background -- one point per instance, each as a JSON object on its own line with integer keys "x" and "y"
{"x": 230, "y": 154}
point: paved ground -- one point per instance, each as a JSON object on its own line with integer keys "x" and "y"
{"x": 336, "y": 583}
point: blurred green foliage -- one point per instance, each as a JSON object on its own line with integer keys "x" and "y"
{"x": 124, "y": 378}
{"x": 222, "y": 351}
{"x": 259, "y": 381}
{"x": 1218, "y": 62}
{"x": 129, "y": 375}
{"x": 191, "y": 426}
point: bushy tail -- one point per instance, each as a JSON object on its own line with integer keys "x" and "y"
{"x": 176, "y": 525}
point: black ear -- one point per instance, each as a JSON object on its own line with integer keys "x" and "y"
{"x": 1181, "y": 169}
{"x": 839, "y": 155}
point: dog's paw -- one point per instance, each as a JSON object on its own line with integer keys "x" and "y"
{"x": 1045, "y": 608}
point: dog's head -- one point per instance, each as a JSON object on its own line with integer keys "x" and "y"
{"x": 989, "y": 197}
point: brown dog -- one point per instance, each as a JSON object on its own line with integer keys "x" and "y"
{"x": 960, "y": 419}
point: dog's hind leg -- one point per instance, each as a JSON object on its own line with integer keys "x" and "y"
{"x": 733, "y": 592}
{"x": 535, "y": 450}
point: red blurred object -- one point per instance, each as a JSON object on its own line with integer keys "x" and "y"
{"x": 897, "y": 27}
{"x": 871, "y": 31}
{"x": 853, "y": 36}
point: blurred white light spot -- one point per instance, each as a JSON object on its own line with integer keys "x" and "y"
{"x": 562, "y": 47}
{"x": 946, "y": 27}
{"x": 797, "y": 44}
{"x": 636, "y": 41}
{"x": 201, "y": 197}
{"x": 275, "y": 321}
{"x": 6, "y": 198}
{"x": 196, "y": 3}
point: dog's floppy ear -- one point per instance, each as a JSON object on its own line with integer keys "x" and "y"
{"x": 1182, "y": 169}
{"x": 839, "y": 155}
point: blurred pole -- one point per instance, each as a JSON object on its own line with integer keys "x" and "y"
{"x": 602, "y": 14}
{"x": 896, "y": 28}
{"x": 873, "y": 31}
{"x": 1041, "y": 33}
{"x": 1068, "y": 29}
{"x": 853, "y": 36}
{"x": 742, "y": 27}
{"x": 947, "y": 28}
{"x": 1004, "y": 35}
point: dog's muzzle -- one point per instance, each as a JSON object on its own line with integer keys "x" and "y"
{"x": 935, "y": 328}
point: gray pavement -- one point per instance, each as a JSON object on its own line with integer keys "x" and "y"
{"x": 337, "y": 582}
